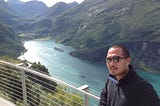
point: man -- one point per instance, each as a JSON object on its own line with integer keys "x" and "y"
{"x": 123, "y": 86}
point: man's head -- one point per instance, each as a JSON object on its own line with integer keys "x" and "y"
{"x": 117, "y": 61}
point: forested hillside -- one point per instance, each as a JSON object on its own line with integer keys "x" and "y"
{"x": 9, "y": 42}
{"x": 104, "y": 22}
{"x": 28, "y": 9}
{"x": 6, "y": 14}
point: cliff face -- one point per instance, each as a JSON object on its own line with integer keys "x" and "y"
{"x": 145, "y": 55}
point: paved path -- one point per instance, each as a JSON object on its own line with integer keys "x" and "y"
{"x": 4, "y": 102}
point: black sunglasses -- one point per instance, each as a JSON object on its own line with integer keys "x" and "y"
{"x": 115, "y": 59}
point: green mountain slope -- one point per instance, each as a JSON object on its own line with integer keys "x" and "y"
{"x": 9, "y": 43}
{"x": 27, "y": 9}
{"x": 94, "y": 25}
{"x": 6, "y": 14}
{"x": 120, "y": 20}
{"x": 42, "y": 25}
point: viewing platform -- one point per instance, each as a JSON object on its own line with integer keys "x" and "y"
{"x": 26, "y": 87}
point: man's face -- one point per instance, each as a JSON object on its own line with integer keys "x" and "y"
{"x": 117, "y": 64}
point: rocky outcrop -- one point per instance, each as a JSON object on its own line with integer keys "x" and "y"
{"x": 144, "y": 54}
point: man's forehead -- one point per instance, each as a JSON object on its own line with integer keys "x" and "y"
{"x": 115, "y": 51}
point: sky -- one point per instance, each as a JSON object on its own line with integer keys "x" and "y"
{"x": 50, "y": 3}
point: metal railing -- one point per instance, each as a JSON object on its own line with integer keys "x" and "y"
{"x": 26, "y": 87}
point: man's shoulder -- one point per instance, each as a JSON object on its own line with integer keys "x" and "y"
{"x": 143, "y": 84}
{"x": 141, "y": 81}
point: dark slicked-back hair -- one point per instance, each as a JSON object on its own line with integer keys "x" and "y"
{"x": 124, "y": 49}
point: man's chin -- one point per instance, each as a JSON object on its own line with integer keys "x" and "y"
{"x": 113, "y": 72}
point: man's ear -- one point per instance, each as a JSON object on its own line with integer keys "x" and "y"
{"x": 128, "y": 60}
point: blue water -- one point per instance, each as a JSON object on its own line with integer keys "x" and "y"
{"x": 73, "y": 70}
{"x": 65, "y": 67}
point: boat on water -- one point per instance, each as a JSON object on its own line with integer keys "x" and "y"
{"x": 58, "y": 49}
{"x": 81, "y": 76}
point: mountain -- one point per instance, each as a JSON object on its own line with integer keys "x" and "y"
{"x": 94, "y": 25}
{"x": 92, "y": 22}
{"x": 23, "y": 17}
{"x": 59, "y": 8}
{"x": 42, "y": 25}
{"x": 27, "y": 9}
{"x": 6, "y": 14}
{"x": 28, "y": 14}
{"x": 9, "y": 42}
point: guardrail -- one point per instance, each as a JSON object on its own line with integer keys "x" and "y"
{"x": 26, "y": 87}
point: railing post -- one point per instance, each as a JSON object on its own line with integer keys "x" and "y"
{"x": 23, "y": 77}
{"x": 86, "y": 98}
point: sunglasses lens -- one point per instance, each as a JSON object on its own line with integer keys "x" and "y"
{"x": 108, "y": 60}
{"x": 116, "y": 59}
